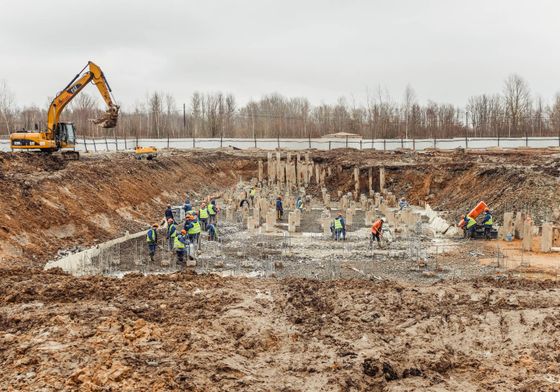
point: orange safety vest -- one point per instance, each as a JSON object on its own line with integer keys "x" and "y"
{"x": 375, "y": 228}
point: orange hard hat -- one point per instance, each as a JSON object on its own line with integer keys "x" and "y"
{"x": 183, "y": 232}
{"x": 486, "y": 209}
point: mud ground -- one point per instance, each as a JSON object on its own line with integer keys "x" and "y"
{"x": 186, "y": 332}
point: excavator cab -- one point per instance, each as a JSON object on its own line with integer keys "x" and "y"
{"x": 65, "y": 135}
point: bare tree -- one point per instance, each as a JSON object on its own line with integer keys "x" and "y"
{"x": 7, "y": 105}
{"x": 409, "y": 102}
{"x": 517, "y": 101}
{"x": 82, "y": 109}
{"x": 155, "y": 105}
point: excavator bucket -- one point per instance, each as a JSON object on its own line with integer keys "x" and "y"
{"x": 108, "y": 119}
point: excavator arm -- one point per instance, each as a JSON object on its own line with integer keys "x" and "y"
{"x": 64, "y": 97}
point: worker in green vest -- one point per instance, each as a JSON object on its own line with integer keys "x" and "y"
{"x": 203, "y": 215}
{"x": 487, "y": 221}
{"x": 252, "y": 194}
{"x": 469, "y": 226}
{"x": 151, "y": 240}
{"x": 339, "y": 228}
{"x": 181, "y": 244}
{"x": 212, "y": 212}
{"x": 193, "y": 229}
{"x": 171, "y": 233}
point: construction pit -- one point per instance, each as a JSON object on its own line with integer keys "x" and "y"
{"x": 279, "y": 304}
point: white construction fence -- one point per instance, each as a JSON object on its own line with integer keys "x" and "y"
{"x": 112, "y": 144}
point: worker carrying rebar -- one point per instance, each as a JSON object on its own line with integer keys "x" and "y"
{"x": 181, "y": 246}
{"x": 192, "y": 226}
{"x": 487, "y": 222}
{"x": 279, "y": 208}
{"x": 212, "y": 212}
{"x": 151, "y": 240}
{"x": 203, "y": 215}
{"x": 339, "y": 228}
{"x": 469, "y": 227}
{"x": 377, "y": 230}
{"x": 171, "y": 233}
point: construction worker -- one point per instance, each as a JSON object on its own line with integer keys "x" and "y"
{"x": 188, "y": 206}
{"x": 403, "y": 203}
{"x": 299, "y": 203}
{"x": 212, "y": 212}
{"x": 339, "y": 228}
{"x": 469, "y": 226}
{"x": 252, "y": 195}
{"x": 377, "y": 230}
{"x": 169, "y": 213}
{"x": 487, "y": 221}
{"x": 212, "y": 232}
{"x": 203, "y": 215}
{"x": 151, "y": 240}
{"x": 181, "y": 243}
{"x": 171, "y": 233}
{"x": 192, "y": 226}
{"x": 279, "y": 208}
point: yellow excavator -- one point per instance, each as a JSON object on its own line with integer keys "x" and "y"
{"x": 62, "y": 135}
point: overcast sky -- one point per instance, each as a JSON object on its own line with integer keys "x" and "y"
{"x": 447, "y": 50}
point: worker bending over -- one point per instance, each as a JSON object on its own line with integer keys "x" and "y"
{"x": 181, "y": 245}
{"x": 279, "y": 208}
{"x": 469, "y": 226}
{"x": 151, "y": 240}
{"x": 212, "y": 232}
{"x": 403, "y": 204}
{"x": 171, "y": 233}
{"x": 339, "y": 228}
{"x": 487, "y": 221}
{"x": 377, "y": 230}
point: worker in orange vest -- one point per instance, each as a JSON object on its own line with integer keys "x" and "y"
{"x": 376, "y": 230}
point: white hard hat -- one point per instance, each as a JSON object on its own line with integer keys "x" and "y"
{"x": 383, "y": 220}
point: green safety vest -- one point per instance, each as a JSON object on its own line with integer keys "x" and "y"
{"x": 211, "y": 210}
{"x": 173, "y": 230}
{"x": 177, "y": 244}
{"x": 471, "y": 222}
{"x": 337, "y": 224}
{"x": 203, "y": 213}
{"x": 253, "y": 192}
{"x": 151, "y": 236}
{"x": 195, "y": 229}
{"x": 490, "y": 221}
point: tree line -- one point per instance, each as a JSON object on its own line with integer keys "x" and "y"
{"x": 512, "y": 113}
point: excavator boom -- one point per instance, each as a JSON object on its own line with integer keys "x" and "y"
{"x": 64, "y": 97}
